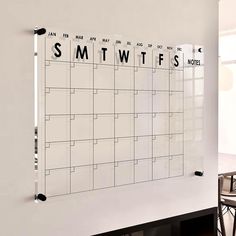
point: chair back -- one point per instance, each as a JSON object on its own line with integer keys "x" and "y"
{"x": 220, "y": 186}
{"x": 220, "y": 213}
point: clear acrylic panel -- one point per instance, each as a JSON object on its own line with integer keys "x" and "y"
{"x": 111, "y": 112}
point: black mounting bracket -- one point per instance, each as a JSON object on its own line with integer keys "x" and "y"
{"x": 40, "y": 197}
{"x": 199, "y": 173}
{"x": 40, "y": 31}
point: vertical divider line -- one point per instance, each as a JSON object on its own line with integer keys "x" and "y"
{"x": 152, "y": 119}
{"x": 114, "y": 80}
{"x": 93, "y": 118}
{"x": 44, "y": 121}
{"x": 70, "y": 112}
{"x": 183, "y": 118}
{"x": 193, "y": 128}
{"x": 193, "y": 86}
{"x": 36, "y": 117}
{"x": 134, "y": 138}
{"x": 169, "y": 158}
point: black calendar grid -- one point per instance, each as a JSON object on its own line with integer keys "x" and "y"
{"x": 114, "y": 116}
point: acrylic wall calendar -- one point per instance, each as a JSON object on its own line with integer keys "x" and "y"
{"x": 114, "y": 112}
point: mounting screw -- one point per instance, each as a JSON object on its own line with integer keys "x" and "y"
{"x": 40, "y": 31}
{"x": 41, "y": 197}
{"x": 199, "y": 173}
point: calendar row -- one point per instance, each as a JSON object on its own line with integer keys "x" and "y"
{"x": 86, "y": 178}
{"x": 76, "y": 101}
{"x": 79, "y": 153}
{"x": 64, "y": 75}
{"x": 89, "y": 51}
{"x": 84, "y": 127}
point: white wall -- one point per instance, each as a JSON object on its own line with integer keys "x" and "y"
{"x": 227, "y": 92}
{"x": 227, "y": 117}
{"x": 227, "y": 78}
{"x": 164, "y": 21}
{"x": 227, "y": 21}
